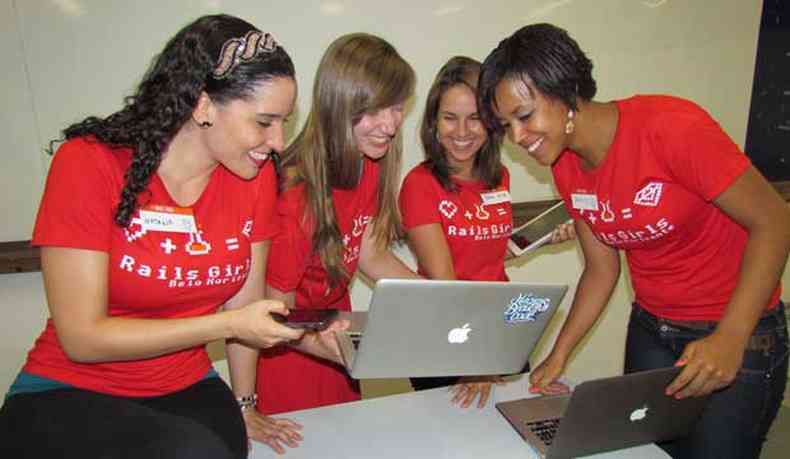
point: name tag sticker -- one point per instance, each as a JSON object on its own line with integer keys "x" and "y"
{"x": 584, "y": 201}
{"x": 495, "y": 197}
{"x": 168, "y": 219}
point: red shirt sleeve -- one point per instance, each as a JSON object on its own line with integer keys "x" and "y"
{"x": 697, "y": 152}
{"x": 290, "y": 249}
{"x": 80, "y": 197}
{"x": 419, "y": 198}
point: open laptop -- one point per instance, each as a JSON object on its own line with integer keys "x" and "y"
{"x": 448, "y": 328}
{"x": 604, "y": 415}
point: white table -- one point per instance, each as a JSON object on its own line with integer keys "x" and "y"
{"x": 418, "y": 425}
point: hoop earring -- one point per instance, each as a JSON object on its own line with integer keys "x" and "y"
{"x": 570, "y": 125}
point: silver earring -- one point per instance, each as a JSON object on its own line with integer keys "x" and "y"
{"x": 570, "y": 126}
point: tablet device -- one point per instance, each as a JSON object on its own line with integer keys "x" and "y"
{"x": 538, "y": 231}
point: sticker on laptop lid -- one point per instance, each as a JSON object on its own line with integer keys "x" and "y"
{"x": 526, "y": 308}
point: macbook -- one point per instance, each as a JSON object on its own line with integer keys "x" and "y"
{"x": 604, "y": 415}
{"x": 417, "y": 328}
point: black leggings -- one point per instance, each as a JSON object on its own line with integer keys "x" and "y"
{"x": 201, "y": 421}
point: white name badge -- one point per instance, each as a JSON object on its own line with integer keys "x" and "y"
{"x": 168, "y": 219}
{"x": 584, "y": 201}
{"x": 495, "y": 197}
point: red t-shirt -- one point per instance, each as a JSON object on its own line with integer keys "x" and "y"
{"x": 290, "y": 380}
{"x": 654, "y": 190}
{"x": 152, "y": 273}
{"x": 476, "y": 233}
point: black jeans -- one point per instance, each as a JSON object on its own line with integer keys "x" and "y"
{"x": 201, "y": 421}
{"x": 737, "y": 418}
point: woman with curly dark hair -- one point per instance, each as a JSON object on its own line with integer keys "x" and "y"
{"x": 153, "y": 218}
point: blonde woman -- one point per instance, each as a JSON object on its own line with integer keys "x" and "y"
{"x": 338, "y": 212}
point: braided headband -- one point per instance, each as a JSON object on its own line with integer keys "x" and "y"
{"x": 237, "y": 50}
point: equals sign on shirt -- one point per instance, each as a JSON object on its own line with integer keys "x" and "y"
{"x": 232, "y": 243}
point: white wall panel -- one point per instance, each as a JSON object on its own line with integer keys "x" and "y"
{"x": 65, "y": 59}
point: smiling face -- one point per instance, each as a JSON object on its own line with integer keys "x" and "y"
{"x": 375, "y": 132}
{"x": 533, "y": 121}
{"x": 459, "y": 129}
{"x": 245, "y": 131}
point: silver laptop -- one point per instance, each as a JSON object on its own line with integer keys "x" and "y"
{"x": 448, "y": 328}
{"x": 604, "y": 415}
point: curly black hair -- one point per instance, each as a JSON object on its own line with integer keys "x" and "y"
{"x": 168, "y": 94}
{"x": 543, "y": 55}
{"x": 459, "y": 70}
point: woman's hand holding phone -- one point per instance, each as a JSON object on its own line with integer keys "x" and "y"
{"x": 254, "y": 324}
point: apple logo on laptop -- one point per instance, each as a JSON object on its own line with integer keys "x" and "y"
{"x": 459, "y": 335}
{"x": 638, "y": 414}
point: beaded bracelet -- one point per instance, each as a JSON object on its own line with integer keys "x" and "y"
{"x": 247, "y": 401}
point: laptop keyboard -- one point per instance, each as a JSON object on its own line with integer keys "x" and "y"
{"x": 545, "y": 429}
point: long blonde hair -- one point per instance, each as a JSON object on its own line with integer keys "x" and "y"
{"x": 358, "y": 74}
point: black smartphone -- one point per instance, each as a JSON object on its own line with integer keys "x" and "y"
{"x": 308, "y": 319}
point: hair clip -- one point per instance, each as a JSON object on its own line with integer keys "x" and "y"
{"x": 237, "y": 50}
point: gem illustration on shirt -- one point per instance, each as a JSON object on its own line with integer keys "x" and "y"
{"x": 247, "y": 229}
{"x": 649, "y": 195}
{"x": 607, "y": 215}
{"x": 448, "y": 208}
{"x": 196, "y": 245}
{"x": 481, "y": 213}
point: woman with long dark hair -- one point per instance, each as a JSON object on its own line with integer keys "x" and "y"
{"x": 152, "y": 219}
{"x": 456, "y": 205}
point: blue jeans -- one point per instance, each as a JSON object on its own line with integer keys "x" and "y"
{"x": 737, "y": 418}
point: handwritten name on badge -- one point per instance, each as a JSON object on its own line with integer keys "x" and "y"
{"x": 168, "y": 219}
{"x": 584, "y": 201}
{"x": 495, "y": 197}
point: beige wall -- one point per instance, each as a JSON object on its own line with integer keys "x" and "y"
{"x": 64, "y": 59}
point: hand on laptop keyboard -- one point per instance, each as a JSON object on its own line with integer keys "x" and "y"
{"x": 543, "y": 379}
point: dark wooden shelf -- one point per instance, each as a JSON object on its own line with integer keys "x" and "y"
{"x": 20, "y": 257}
